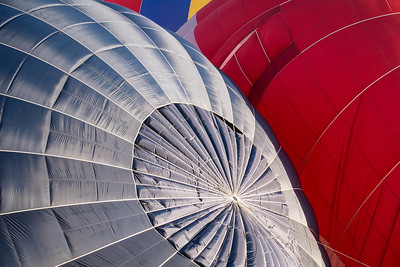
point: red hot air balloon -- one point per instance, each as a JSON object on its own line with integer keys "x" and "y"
{"x": 325, "y": 74}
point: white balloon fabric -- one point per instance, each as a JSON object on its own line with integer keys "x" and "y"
{"x": 122, "y": 145}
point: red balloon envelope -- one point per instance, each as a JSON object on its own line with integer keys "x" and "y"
{"x": 325, "y": 74}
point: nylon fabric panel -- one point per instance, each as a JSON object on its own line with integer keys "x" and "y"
{"x": 139, "y": 250}
{"x": 94, "y": 39}
{"x": 48, "y": 52}
{"x": 81, "y": 101}
{"x": 117, "y": 90}
{"x": 315, "y": 116}
{"x": 12, "y": 62}
{"x": 31, "y": 80}
{"x": 36, "y": 32}
{"x": 251, "y": 69}
{"x": 298, "y": 28}
{"x": 59, "y": 16}
{"x": 73, "y": 181}
{"x": 366, "y": 69}
{"x": 115, "y": 220}
{"x": 24, "y": 181}
{"x": 274, "y": 36}
{"x": 71, "y": 138}
{"x": 7, "y": 13}
{"x": 339, "y": 91}
{"x": 37, "y": 238}
{"x": 386, "y": 38}
{"x": 25, "y": 130}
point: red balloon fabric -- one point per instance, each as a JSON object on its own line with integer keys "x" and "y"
{"x": 325, "y": 74}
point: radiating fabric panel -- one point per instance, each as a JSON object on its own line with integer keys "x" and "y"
{"x": 214, "y": 196}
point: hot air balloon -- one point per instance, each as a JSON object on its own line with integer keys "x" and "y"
{"x": 122, "y": 145}
{"x": 325, "y": 76}
{"x": 168, "y": 14}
